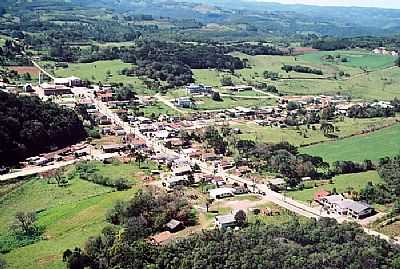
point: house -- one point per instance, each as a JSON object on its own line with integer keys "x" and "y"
{"x": 225, "y": 221}
{"x": 138, "y": 143}
{"x": 339, "y": 205}
{"x": 105, "y": 96}
{"x": 51, "y": 89}
{"x": 221, "y": 193}
{"x": 174, "y": 226}
{"x": 209, "y": 157}
{"x": 113, "y": 148}
{"x": 277, "y": 184}
{"x": 238, "y": 88}
{"x": 199, "y": 89}
{"x": 181, "y": 170}
{"x": 69, "y": 82}
{"x": 320, "y": 194}
{"x": 176, "y": 181}
{"x": 184, "y": 102}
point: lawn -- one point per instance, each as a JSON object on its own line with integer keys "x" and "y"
{"x": 385, "y": 142}
{"x": 341, "y": 183}
{"x": 70, "y": 214}
{"x": 97, "y": 71}
{"x": 304, "y": 136}
{"x": 206, "y": 103}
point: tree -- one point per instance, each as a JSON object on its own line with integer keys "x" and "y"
{"x": 327, "y": 128}
{"x": 24, "y": 223}
{"x": 226, "y": 81}
{"x": 3, "y": 264}
{"x": 240, "y": 218}
{"x": 216, "y": 97}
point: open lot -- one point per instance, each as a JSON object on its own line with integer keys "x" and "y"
{"x": 70, "y": 214}
{"x": 385, "y": 142}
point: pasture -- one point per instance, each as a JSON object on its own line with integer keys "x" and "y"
{"x": 370, "y": 76}
{"x": 69, "y": 214}
{"x": 385, "y": 142}
{"x": 361, "y": 59}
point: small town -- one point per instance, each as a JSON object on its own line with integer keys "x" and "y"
{"x": 199, "y": 134}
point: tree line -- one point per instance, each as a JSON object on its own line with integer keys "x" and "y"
{"x": 305, "y": 244}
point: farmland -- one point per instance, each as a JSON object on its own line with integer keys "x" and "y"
{"x": 370, "y": 76}
{"x": 69, "y": 214}
{"x": 367, "y": 147}
{"x": 342, "y": 183}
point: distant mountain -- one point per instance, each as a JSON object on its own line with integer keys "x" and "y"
{"x": 239, "y": 18}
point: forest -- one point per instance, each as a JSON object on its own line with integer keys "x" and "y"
{"x": 29, "y": 126}
{"x": 306, "y": 244}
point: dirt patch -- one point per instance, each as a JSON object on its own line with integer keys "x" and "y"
{"x": 43, "y": 261}
{"x": 32, "y": 70}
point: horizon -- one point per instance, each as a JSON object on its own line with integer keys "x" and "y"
{"x": 388, "y": 4}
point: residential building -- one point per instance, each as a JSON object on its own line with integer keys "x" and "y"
{"x": 225, "y": 221}
{"x": 176, "y": 181}
{"x": 184, "y": 102}
{"x": 221, "y": 193}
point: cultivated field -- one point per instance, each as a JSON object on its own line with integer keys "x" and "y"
{"x": 373, "y": 146}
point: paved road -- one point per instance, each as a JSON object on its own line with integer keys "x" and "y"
{"x": 41, "y": 169}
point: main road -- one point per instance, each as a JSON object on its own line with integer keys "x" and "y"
{"x": 275, "y": 197}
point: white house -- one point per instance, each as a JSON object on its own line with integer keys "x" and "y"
{"x": 220, "y": 193}
{"x": 225, "y": 221}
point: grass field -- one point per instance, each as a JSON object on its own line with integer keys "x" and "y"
{"x": 303, "y": 135}
{"x": 379, "y": 82}
{"x": 376, "y": 145}
{"x": 206, "y": 103}
{"x": 159, "y": 108}
{"x": 70, "y": 214}
{"x": 341, "y": 183}
{"x": 97, "y": 71}
{"x": 356, "y": 59}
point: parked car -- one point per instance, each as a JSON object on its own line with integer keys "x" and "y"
{"x": 4, "y": 170}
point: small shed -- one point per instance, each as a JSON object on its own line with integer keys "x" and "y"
{"x": 174, "y": 226}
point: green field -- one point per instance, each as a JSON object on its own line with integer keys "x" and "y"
{"x": 158, "y": 108}
{"x": 304, "y": 136}
{"x": 206, "y": 103}
{"x": 341, "y": 183}
{"x": 376, "y": 145}
{"x": 70, "y": 214}
{"x": 377, "y": 80}
{"x": 357, "y": 59}
{"x": 97, "y": 71}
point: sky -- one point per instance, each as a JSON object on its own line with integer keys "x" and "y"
{"x": 359, "y": 3}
